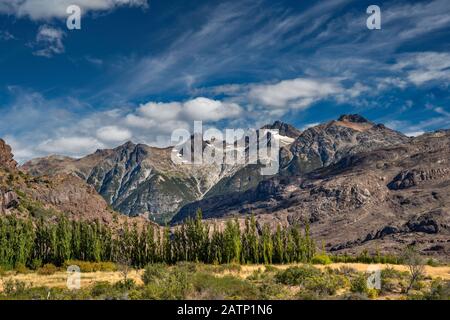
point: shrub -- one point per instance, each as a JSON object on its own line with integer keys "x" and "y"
{"x": 271, "y": 291}
{"x": 14, "y": 287}
{"x": 439, "y": 290}
{"x": 228, "y": 287}
{"x": 47, "y": 269}
{"x": 21, "y": 268}
{"x": 391, "y": 273}
{"x": 101, "y": 288}
{"x": 125, "y": 285}
{"x": 322, "y": 285}
{"x": 86, "y": 266}
{"x": 297, "y": 275}
{"x": 372, "y": 293}
{"x": 256, "y": 275}
{"x": 359, "y": 284}
{"x": 36, "y": 264}
{"x": 154, "y": 273}
{"x": 321, "y": 259}
{"x": 432, "y": 262}
{"x": 170, "y": 285}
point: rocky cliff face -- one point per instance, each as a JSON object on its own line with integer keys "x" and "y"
{"x": 45, "y": 197}
{"x": 6, "y": 157}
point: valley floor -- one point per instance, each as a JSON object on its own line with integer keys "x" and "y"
{"x": 229, "y": 282}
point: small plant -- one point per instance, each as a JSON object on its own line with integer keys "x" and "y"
{"x": 36, "y": 264}
{"x": 359, "y": 284}
{"x": 154, "y": 273}
{"x": 101, "y": 288}
{"x": 297, "y": 275}
{"x": 321, "y": 259}
{"x": 411, "y": 257}
{"x": 21, "y": 269}
{"x": 47, "y": 270}
{"x": 14, "y": 287}
{"x": 324, "y": 285}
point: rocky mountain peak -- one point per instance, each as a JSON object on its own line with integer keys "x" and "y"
{"x": 355, "y": 118}
{"x": 6, "y": 157}
{"x": 284, "y": 129}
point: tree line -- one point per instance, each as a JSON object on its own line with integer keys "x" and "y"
{"x": 23, "y": 242}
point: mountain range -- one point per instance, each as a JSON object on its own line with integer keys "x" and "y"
{"x": 361, "y": 185}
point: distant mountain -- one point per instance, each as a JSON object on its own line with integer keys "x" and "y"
{"x": 360, "y": 184}
{"x": 327, "y": 143}
{"x": 136, "y": 179}
{"x": 372, "y": 189}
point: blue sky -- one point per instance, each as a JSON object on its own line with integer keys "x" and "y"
{"x": 139, "y": 69}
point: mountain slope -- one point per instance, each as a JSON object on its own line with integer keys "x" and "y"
{"x": 44, "y": 197}
{"x": 327, "y": 143}
{"x": 136, "y": 179}
{"x": 375, "y": 199}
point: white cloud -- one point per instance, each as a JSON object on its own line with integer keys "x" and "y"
{"x": 414, "y": 133}
{"x": 204, "y": 109}
{"x": 425, "y": 67}
{"x": 161, "y": 111}
{"x": 198, "y": 109}
{"x": 49, "y": 41}
{"x": 73, "y": 146}
{"x": 297, "y": 93}
{"x": 48, "y": 9}
{"x": 113, "y": 134}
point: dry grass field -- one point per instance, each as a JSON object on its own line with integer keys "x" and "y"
{"x": 87, "y": 279}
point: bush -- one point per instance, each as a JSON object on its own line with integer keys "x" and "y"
{"x": 297, "y": 275}
{"x": 359, "y": 284}
{"x": 372, "y": 293}
{"x": 86, "y": 266}
{"x": 125, "y": 285}
{"x": 321, "y": 259}
{"x": 323, "y": 285}
{"x": 47, "y": 270}
{"x": 101, "y": 288}
{"x": 432, "y": 262}
{"x": 154, "y": 273}
{"x": 209, "y": 287}
{"x": 14, "y": 287}
{"x": 21, "y": 268}
{"x": 439, "y": 290}
{"x": 36, "y": 264}
{"x": 169, "y": 285}
{"x": 271, "y": 291}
